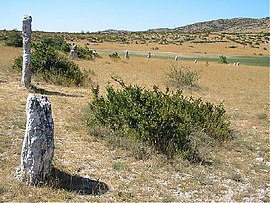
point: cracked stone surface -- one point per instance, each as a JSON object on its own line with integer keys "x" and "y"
{"x": 38, "y": 145}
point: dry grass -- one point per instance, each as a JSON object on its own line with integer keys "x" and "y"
{"x": 187, "y": 47}
{"x": 234, "y": 175}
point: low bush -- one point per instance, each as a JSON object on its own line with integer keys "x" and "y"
{"x": 84, "y": 53}
{"x": 168, "y": 121}
{"x": 13, "y": 38}
{"x": 114, "y": 55}
{"x": 183, "y": 77}
{"x": 223, "y": 59}
{"x": 56, "y": 42}
{"x": 52, "y": 66}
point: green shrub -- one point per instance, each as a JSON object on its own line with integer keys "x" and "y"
{"x": 52, "y": 66}
{"x": 168, "y": 121}
{"x": 13, "y": 38}
{"x": 56, "y": 42}
{"x": 2, "y": 189}
{"x": 182, "y": 77}
{"x": 114, "y": 55}
{"x": 223, "y": 59}
{"x": 84, "y": 53}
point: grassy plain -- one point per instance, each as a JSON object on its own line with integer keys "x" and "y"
{"x": 210, "y": 52}
{"x": 187, "y": 47}
{"x": 240, "y": 168}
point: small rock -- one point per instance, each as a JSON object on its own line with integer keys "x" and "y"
{"x": 254, "y": 127}
{"x": 87, "y": 177}
{"x": 259, "y": 159}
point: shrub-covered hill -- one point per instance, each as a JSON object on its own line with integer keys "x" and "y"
{"x": 225, "y": 25}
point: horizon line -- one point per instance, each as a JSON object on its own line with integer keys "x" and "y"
{"x": 123, "y": 30}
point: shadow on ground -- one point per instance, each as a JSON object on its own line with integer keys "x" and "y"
{"x": 78, "y": 184}
{"x": 47, "y": 92}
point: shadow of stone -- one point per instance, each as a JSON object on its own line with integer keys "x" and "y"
{"x": 47, "y": 92}
{"x": 78, "y": 184}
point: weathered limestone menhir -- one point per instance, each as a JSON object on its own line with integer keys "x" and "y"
{"x": 38, "y": 145}
{"x": 26, "y": 67}
{"x": 126, "y": 54}
{"x": 148, "y": 56}
{"x": 73, "y": 51}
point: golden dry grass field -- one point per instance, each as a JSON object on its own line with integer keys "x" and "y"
{"x": 187, "y": 48}
{"x": 240, "y": 168}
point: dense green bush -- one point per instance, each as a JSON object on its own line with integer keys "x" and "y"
{"x": 52, "y": 66}
{"x": 13, "y": 38}
{"x": 223, "y": 59}
{"x": 56, "y": 42}
{"x": 84, "y": 53}
{"x": 168, "y": 121}
{"x": 182, "y": 77}
{"x": 60, "y": 44}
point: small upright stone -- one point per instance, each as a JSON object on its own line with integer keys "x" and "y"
{"x": 126, "y": 54}
{"x": 26, "y": 66}
{"x": 148, "y": 55}
{"x": 73, "y": 51}
{"x": 38, "y": 145}
{"x": 94, "y": 54}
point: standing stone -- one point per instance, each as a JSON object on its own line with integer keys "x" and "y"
{"x": 148, "y": 56}
{"x": 73, "y": 51}
{"x": 38, "y": 145}
{"x": 26, "y": 67}
{"x": 126, "y": 54}
{"x": 94, "y": 54}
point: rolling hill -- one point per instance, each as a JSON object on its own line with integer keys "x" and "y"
{"x": 224, "y": 25}
{"x": 229, "y": 25}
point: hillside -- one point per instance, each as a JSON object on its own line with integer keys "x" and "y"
{"x": 113, "y": 31}
{"x": 229, "y": 25}
{"x": 224, "y": 25}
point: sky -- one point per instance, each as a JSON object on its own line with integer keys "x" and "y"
{"x": 132, "y": 15}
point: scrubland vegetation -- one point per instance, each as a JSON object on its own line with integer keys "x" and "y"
{"x": 151, "y": 130}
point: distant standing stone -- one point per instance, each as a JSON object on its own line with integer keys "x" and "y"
{"x": 73, "y": 51}
{"x": 148, "y": 56}
{"x": 38, "y": 145}
{"x": 126, "y": 54}
{"x": 176, "y": 58}
{"x": 26, "y": 66}
{"x": 94, "y": 54}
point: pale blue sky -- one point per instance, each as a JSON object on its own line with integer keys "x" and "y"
{"x": 133, "y": 15}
